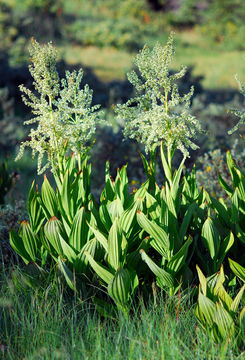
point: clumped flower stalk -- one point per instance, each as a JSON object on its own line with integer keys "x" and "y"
{"x": 66, "y": 121}
{"x": 158, "y": 115}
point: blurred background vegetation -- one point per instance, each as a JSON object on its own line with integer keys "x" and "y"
{"x": 102, "y": 37}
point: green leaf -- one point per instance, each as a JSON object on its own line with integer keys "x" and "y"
{"x": 115, "y": 209}
{"x": 109, "y": 191}
{"x": 105, "y": 216}
{"x": 153, "y": 207}
{"x": 225, "y": 186}
{"x": 79, "y": 230}
{"x": 235, "y": 206}
{"x": 121, "y": 183}
{"x": 29, "y": 240}
{"x": 100, "y": 270}
{"x": 221, "y": 210}
{"x": 141, "y": 192}
{"x": 100, "y": 237}
{"x": 224, "y": 321}
{"x": 166, "y": 168}
{"x": 225, "y": 246}
{"x": 160, "y": 238}
{"x": 207, "y": 308}
{"x": 65, "y": 198}
{"x": 81, "y": 262}
{"x": 69, "y": 276}
{"x": 178, "y": 260}
{"x": 134, "y": 257}
{"x": 237, "y": 300}
{"x": 237, "y": 269}
{"x": 52, "y": 229}
{"x": 165, "y": 279}
{"x": 202, "y": 280}
{"x": 67, "y": 251}
{"x": 34, "y": 209}
{"x": 175, "y": 188}
{"x": 211, "y": 237}
{"x": 127, "y": 218}
{"x": 186, "y": 221}
{"x": 49, "y": 200}
{"x": 242, "y": 318}
{"x": 231, "y": 164}
{"x": 115, "y": 246}
{"x": 119, "y": 287}
{"x": 170, "y": 203}
{"x": 17, "y": 244}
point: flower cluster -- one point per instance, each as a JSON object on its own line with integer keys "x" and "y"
{"x": 63, "y": 113}
{"x": 158, "y": 113}
{"x": 238, "y": 113}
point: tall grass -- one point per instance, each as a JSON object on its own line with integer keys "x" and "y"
{"x": 46, "y": 324}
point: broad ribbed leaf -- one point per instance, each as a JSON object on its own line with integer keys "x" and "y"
{"x": 170, "y": 202}
{"x": 165, "y": 279}
{"x": 224, "y": 296}
{"x": 225, "y": 246}
{"x": 66, "y": 198}
{"x": 67, "y": 251}
{"x": 178, "y": 260}
{"x": 224, "y": 321}
{"x": 17, "y": 244}
{"x": 81, "y": 262}
{"x": 52, "y": 229}
{"x": 237, "y": 300}
{"x": 160, "y": 237}
{"x": 202, "y": 280}
{"x": 34, "y": 208}
{"x": 166, "y": 168}
{"x": 105, "y": 216}
{"x": 237, "y": 269}
{"x": 115, "y": 246}
{"x": 186, "y": 221}
{"x": 175, "y": 188}
{"x": 235, "y": 206}
{"x": 29, "y": 240}
{"x": 242, "y": 318}
{"x": 100, "y": 237}
{"x": 141, "y": 192}
{"x": 67, "y": 273}
{"x": 49, "y": 200}
{"x": 231, "y": 165}
{"x": 127, "y": 218}
{"x": 100, "y": 270}
{"x": 115, "y": 209}
{"x": 119, "y": 287}
{"x": 153, "y": 207}
{"x": 207, "y": 308}
{"x": 221, "y": 210}
{"x": 211, "y": 237}
{"x": 133, "y": 258}
{"x": 79, "y": 230}
{"x": 225, "y": 186}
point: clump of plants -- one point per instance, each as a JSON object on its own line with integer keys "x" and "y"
{"x": 126, "y": 242}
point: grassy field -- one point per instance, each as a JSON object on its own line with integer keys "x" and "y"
{"x": 49, "y": 324}
{"x": 216, "y": 65}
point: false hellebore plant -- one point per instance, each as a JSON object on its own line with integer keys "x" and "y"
{"x": 159, "y": 117}
{"x": 66, "y": 123}
{"x": 67, "y": 227}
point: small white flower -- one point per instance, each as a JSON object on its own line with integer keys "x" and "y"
{"x": 158, "y": 113}
{"x": 63, "y": 112}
